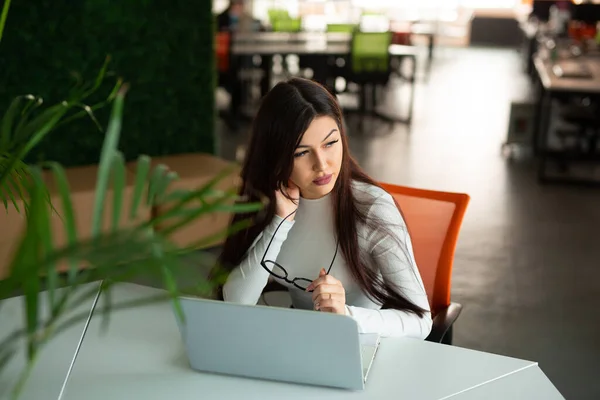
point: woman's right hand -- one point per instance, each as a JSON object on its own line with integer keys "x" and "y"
{"x": 285, "y": 206}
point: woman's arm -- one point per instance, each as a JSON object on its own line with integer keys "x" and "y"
{"x": 395, "y": 260}
{"x": 247, "y": 281}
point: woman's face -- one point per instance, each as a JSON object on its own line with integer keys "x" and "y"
{"x": 318, "y": 159}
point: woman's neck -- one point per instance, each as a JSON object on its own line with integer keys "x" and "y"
{"x": 315, "y": 200}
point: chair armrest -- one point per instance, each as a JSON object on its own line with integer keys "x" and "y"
{"x": 443, "y": 321}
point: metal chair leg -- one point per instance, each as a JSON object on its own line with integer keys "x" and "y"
{"x": 447, "y": 339}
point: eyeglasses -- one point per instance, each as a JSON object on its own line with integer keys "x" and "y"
{"x": 281, "y": 273}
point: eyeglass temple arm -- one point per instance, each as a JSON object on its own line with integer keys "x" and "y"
{"x": 337, "y": 244}
{"x": 273, "y": 237}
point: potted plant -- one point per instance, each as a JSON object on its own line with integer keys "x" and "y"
{"x": 109, "y": 256}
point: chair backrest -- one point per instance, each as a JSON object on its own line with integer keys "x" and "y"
{"x": 370, "y": 52}
{"x": 403, "y": 38}
{"x": 222, "y": 47}
{"x": 434, "y": 220}
{"x": 287, "y": 25}
{"x": 276, "y": 13}
{"x": 342, "y": 28}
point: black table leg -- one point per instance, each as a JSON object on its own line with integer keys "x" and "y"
{"x": 538, "y": 114}
{"x": 430, "y": 48}
{"x": 542, "y": 137}
{"x": 412, "y": 89}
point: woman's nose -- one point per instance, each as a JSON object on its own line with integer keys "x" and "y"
{"x": 320, "y": 162}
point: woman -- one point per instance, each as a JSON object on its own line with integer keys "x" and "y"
{"x": 330, "y": 233}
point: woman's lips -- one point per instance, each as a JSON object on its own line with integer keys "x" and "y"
{"x": 324, "y": 180}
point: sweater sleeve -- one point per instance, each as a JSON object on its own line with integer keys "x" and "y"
{"x": 246, "y": 282}
{"x": 395, "y": 260}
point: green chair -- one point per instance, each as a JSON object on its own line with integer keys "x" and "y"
{"x": 276, "y": 13}
{"x": 370, "y": 67}
{"x": 341, "y": 28}
{"x": 287, "y": 25}
{"x": 370, "y": 56}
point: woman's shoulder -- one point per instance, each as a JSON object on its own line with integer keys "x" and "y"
{"x": 377, "y": 203}
{"x": 368, "y": 194}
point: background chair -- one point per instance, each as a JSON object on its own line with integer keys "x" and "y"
{"x": 281, "y": 21}
{"x": 226, "y": 73}
{"x": 370, "y": 59}
{"x": 370, "y": 68}
{"x": 223, "y": 52}
{"x": 434, "y": 219}
{"x": 287, "y": 25}
{"x": 341, "y": 28}
{"x": 277, "y": 13}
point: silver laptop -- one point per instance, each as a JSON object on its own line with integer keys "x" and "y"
{"x": 281, "y": 344}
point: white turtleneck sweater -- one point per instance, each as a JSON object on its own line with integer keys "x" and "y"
{"x": 307, "y": 244}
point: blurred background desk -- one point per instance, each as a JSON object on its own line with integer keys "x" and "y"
{"x": 577, "y": 95}
{"x": 328, "y": 56}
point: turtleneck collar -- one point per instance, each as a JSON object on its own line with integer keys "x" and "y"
{"x": 315, "y": 203}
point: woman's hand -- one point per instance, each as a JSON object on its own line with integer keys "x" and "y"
{"x": 285, "y": 206}
{"x": 329, "y": 294}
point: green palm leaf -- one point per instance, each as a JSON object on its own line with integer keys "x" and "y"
{"x": 68, "y": 215}
{"x": 118, "y": 188}
{"x": 3, "y": 16}
{"x": 25, "y": 124}
{"x": 142, "y": 171}
{"x": 127, "y": 249}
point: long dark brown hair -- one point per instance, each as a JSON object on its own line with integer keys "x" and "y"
{"x": 284, "y": 115}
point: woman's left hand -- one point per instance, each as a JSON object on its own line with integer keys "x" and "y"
{"x": 329, "y": 294}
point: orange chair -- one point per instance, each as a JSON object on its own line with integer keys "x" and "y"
{"x": 222, "y": 49}
{"x": 434, "y": 219}
{"x": 403, "y": 38}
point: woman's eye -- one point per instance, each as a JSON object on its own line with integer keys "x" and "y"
{"x": 300, "y": 154}
{"x": 329, "y": 144}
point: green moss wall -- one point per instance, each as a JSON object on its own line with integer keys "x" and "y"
{"x": 162, "y": 48}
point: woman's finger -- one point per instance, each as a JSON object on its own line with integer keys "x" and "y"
{"x": 329, "y": 296}
{"x": 330, "y": 305}
{"x": 333, "y": 289}
{"x": 322, "y": 280}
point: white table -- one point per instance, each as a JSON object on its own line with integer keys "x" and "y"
{"x": 54, "y": 359}
{"x": 142, "y": 356}
{"x": 527, "y": 384}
